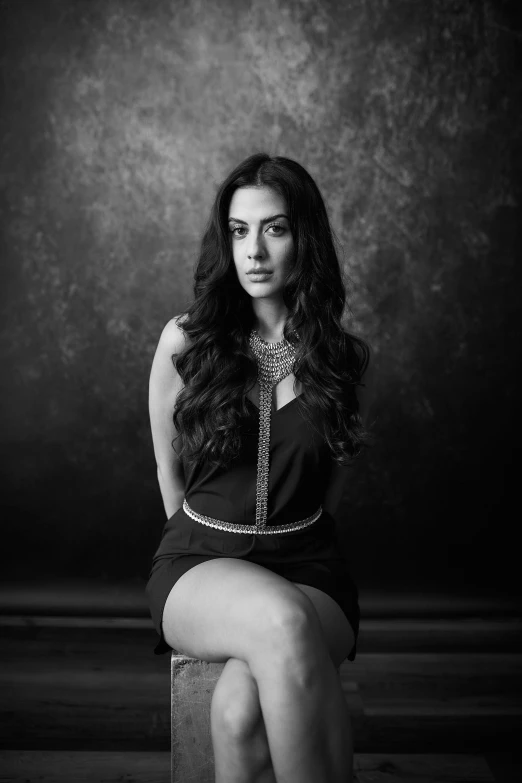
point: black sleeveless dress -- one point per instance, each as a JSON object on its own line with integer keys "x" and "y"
{"x": 300, "y": 466}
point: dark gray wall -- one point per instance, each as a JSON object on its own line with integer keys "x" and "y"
{"x": 118, "y": 121}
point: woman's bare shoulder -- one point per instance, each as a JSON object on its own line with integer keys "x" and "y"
{"x": 173, "y": 338}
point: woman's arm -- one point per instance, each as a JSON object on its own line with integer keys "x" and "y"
{"x": 335, "y": 489}
{"x": 164, "y": 387}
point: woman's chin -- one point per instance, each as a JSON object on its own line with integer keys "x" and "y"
{"x": 267, "y": 293}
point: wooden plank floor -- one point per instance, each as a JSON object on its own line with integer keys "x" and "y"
{"x": 139, "y": 767}
{"x": 86, "y": 699}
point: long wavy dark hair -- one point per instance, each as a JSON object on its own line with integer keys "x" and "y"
{"x": 218, "y": 367}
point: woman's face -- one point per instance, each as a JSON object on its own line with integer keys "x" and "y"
{"x": 261, "y": 240}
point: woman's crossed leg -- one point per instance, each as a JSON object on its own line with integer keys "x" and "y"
{"x": 241, "y": 749}
{"x": 279, "y": 698}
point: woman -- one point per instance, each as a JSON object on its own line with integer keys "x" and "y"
{"x": 255, "y": 419}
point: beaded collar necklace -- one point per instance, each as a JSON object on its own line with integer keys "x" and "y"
{"x": 274, "y": 362}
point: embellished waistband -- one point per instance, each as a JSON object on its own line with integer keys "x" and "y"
{"x": 232, "y": 527}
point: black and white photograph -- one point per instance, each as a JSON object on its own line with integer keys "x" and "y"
{"x": 261, "y": 288}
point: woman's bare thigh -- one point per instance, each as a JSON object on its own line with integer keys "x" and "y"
{"x": 221, "y": 608}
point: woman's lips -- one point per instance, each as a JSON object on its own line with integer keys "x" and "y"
{"x": 259, "y": 277}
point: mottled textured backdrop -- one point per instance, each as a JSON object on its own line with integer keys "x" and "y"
{"x": 119, "y": 118}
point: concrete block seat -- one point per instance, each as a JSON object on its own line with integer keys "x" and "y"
{"x": 192, "y": 685}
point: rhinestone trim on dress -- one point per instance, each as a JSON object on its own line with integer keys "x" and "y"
{"x": 236, "y": 528}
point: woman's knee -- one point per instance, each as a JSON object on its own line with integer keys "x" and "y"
{"x": 235, "y": 709}
{"x": 291, "y": 627}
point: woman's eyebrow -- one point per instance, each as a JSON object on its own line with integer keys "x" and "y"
{"x": 265, "y": 220}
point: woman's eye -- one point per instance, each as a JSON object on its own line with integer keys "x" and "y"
{"x": 275, "y": 229}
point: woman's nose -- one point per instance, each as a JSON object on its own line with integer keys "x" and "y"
{"x": 256, "y": 249}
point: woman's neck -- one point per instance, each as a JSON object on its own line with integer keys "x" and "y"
{"x": 269, "y": 319}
